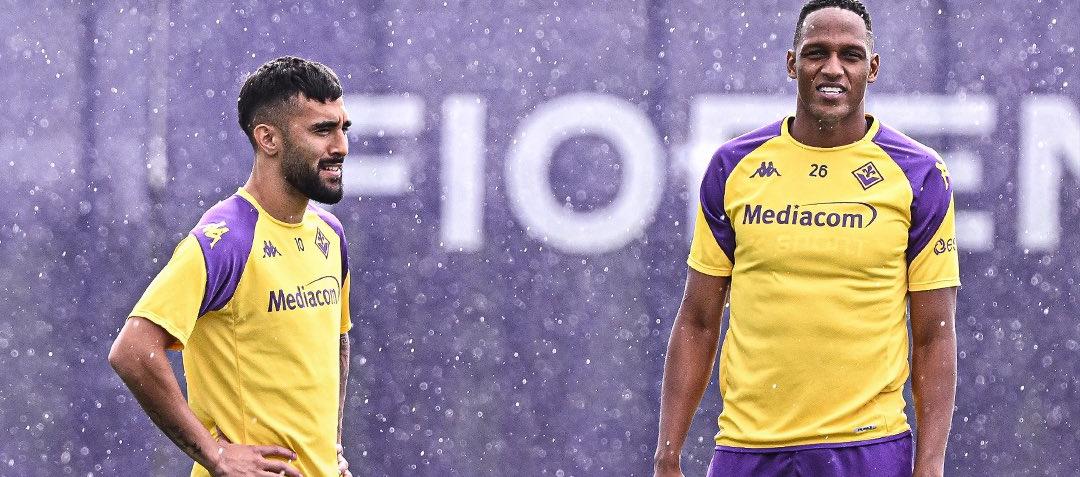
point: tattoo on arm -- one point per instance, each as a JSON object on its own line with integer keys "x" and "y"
{"x": 177, "y": 435}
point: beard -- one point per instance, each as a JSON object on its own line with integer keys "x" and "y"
{"x": 304, "y": 177}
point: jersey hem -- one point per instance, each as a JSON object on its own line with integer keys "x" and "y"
{"x": 829, "y": 445}
{"x": 934, "y": 285}
{"x": 711, "y": 271}
{"x": 163, "y": 323}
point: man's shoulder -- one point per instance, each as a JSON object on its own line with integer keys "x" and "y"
{"x": 905, "y": 151}
{"x": 229, "y": 224}
{"x": 924, "y": 168}
{"x": 731, "y": 152}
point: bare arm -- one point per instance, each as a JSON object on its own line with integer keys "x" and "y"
{"x": 933, "y": 381}
{"x": 345, "y": 347}
{"x": 138, "y": 356}
{"x": 691, "y": 353}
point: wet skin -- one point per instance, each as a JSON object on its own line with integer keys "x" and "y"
{"x": 832, "y": 64}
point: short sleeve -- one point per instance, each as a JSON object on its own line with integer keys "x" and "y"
{"x": 346, "y": 318}
{"x": 712, "y": 250}
{"x": 932, "y": 253}
{"x": 706, "y": 256}
{"x": 173, "y": 299}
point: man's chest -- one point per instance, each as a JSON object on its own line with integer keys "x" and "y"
{"x": 819, "y": 216}
{"x": 291, "y": 273}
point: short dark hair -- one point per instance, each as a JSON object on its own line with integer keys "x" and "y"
{"x": 850, "y": 5}
{"x": 277, "y": 82}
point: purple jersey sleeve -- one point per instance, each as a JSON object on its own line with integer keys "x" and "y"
{"x": 713, "y": 185}
{"x": 225, "y": 235}
{"x": 930, "y": 186}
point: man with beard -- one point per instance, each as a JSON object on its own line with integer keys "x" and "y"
{"x": 826, "y": 228}
{"x": 257, "y": 297}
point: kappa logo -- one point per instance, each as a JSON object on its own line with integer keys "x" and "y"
{"x": 766, "y": 169}
{"x": 269, "y": 250}
{"x": 214, "y": 232}
{"x": 944, "y": 172}
{"x": 322, "y": 243}
{"x": 868, "y": 175}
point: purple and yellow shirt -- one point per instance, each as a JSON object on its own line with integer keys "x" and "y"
{"x": 822, "y": 246}
{"x": 257, "y": 306}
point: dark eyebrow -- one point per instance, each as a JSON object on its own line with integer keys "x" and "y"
{"x": 858, "y": 48}
{"x": 843, "y": 48}
{"x": 328, "y": 124}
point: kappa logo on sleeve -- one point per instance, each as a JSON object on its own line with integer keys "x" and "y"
{"x": 214, "y": 232}
{"x": 944, "y": 172}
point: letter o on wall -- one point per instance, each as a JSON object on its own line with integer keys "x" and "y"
{"x": 528, "y": 167}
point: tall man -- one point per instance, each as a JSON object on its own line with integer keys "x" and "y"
{"x": 257, "y": 297}
{"x": 821, "y": 226}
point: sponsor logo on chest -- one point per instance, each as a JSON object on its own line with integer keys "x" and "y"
{"x": 848, "y": 215}
{"x": 323, "y": 291}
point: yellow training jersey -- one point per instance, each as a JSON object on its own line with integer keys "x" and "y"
{"x": 258, "y": 306}
{"x": 822, "y": 246}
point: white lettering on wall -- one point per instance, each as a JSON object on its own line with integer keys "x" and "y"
{"x": 462, "y": 173}
{"x": 1050, "y": 149}
{"x": 529, "y": 160}
{"x": 381, "y": 116}
{"x": 1050, "y": 137}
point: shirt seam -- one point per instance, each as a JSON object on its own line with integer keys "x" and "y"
{"x": 163, "y": 323}
{"x": 921, "y": 286}
{"x": 799, "y": 447}
{"x": 712, "y": 271}
{"x": 868, "y": 137}
{"x": 235, "y": 315}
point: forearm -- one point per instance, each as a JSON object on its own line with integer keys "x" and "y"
{"x": 933, "y": 375}
{"x": 690, "y": 356}
{"x": 150, "y": 378}
{"x": 934, "y": 388}
{"x": 345, "y": 350}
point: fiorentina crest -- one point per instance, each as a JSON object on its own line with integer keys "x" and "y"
{"x": 867, "y": 175}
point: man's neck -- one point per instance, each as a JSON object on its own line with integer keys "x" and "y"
{"x": 810, "y": 131}
{"x": 279, "y": 199}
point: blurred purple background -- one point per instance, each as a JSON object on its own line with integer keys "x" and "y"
{"x": 519, "y": 181}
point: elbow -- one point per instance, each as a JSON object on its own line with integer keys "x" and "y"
{"x": 117, "y": 358}
{"x": 123, "y": 357}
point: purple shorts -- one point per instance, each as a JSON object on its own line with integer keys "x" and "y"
{"x": 886, "y": 457}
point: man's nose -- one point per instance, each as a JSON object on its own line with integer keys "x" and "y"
{"x": 340, "y": 145}
{"x": 832, "y": 67}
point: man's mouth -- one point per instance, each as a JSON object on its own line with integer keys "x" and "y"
{"x": 831, "y": 90}
{"x": 332, "y": 166}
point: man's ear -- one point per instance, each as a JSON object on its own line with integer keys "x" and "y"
{"x": 268, "y": 139}
{"x": 791, "y": 72}
{"x": 875, "y": 61}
